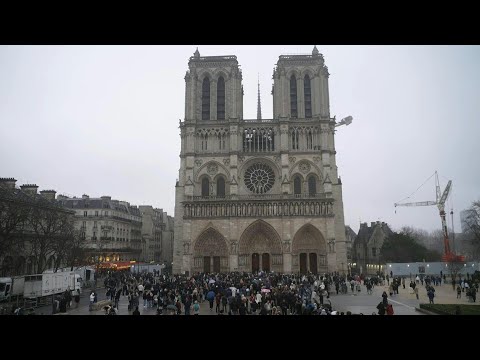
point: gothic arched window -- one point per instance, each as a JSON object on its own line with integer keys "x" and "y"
{"x": 221, "y": 99}
{"x": 307, "y": 91}
{"x": 206, "y": 99}
{"x": 205, "y": 187}
{"x": 312, "y": 185}
{"x": 297, "y": 185}
{"x": 293, "y": 97}
{"x": 221, "y": 187}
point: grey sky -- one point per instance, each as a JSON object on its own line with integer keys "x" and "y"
{"x": 103, "y": 120}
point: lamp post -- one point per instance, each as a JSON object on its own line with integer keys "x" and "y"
{"x": 345, "y": 121}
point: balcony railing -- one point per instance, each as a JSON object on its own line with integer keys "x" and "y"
{"x": 257, "y": 197}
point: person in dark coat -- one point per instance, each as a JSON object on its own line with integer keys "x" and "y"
{"x": 136, "y": 312}
{"x": 385, "y": 297}
{"x": 211, "y": 298}
{"x": 381, "y": 308}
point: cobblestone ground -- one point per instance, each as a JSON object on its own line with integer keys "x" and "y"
{"x": 404, "y": 303}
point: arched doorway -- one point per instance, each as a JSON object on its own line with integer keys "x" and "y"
{"x": 255, "y": 263}
{"x": 210, "y": 253}
{"x": 309, "y": 251}
{"x": 260, "y": 248}
{"x": 266, "y": 262}
{"x": 303, "y": 263}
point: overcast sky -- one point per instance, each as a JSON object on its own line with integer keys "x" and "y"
{"x": 103, "y": 120}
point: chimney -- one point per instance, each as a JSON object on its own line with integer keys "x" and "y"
{"x": 62, "y": 197}
{"x": 48, "y": 194}
{"x": 30, "y": 189}
{"x": 8, "y": 183}
{"x": 372, "y": 223}
{"x": 106, "y": 198}
{"x": 85, "y": 196}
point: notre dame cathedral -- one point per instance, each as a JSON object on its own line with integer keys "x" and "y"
{"x": 258, "y": 194}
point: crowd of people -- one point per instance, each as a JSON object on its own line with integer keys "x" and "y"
{"x": 232, "y": 293}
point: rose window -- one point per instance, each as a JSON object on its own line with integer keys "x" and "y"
{"x": 259, "y": 178}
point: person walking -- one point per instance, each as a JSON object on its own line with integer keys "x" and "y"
{"x": 196, "y": 308}
{"x": 136, "y": 311}
{"x": 459, "y": 292}
{"x": 211, "y": 298}
{"x": 77, "y": 298}
{"x": 430, "y": 295}
{"x": 390, "y": 309}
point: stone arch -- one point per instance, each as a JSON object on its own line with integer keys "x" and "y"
{"x": 217, "y": 180}
{"x": 293, "y": 72}
{"x": 309, "y": 250}
{"x": 319, "y": 185}
{"x": 307, "y": 71}
{"x": 220, "y": 72}
{"x": 211, "y": 247}
{"x": 203, "y": 74}
{"x": 260, "y": 238}
{"x": 313, "y": 169}
{"x": 203, "y": 170}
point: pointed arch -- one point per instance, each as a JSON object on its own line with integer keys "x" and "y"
{"x": 309, "y": 250}
{"x": 293, "y": 97}
{"x": 260, "y": 236}
{"x": 221, "y": 98}
{"x": 307, "y": 93}
{"x": 220, "y": 186}
{"x": 312, "y": 184}
{"x": 297, "y": 185}
{"x": 205, "y": 186}
{"x": 206, "y": 98}
{"x": 210, "y": 252}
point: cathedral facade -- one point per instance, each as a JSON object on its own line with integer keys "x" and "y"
{"x": 258, "y": 194}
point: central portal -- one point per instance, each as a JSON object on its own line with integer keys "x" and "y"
{"x": 261, "y": 245}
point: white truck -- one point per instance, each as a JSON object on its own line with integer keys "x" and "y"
{"x": 40, "y": 285}
{"x": 11, "y": 287}
{"x": 86, "y": 273}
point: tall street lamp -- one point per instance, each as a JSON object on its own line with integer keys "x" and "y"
{"x": 345, "y": 121}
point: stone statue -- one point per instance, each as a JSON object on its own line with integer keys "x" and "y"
{"x": 234, "y": 247}
{"x": 186, "y": 248}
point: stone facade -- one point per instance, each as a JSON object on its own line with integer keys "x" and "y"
{"x": 261, "y": 193}
{"x": 366, "y": 248}
{"x": 157, "y": 232}
{"x": 112, "y": 228}
{"x": 350, "y": 236}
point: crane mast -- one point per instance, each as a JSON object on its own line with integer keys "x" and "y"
{"x": 440, "y": 202}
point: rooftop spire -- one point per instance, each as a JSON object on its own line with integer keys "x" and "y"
{"x": 315, "y": 50}
{"x": 196, "y": 53}
{"x": 259, "y": 105}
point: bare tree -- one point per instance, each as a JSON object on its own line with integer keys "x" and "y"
{"x": 454, "y": 267}
{"x": 70, "y": 248}
{"x": 49, "y": 226}
{"x": 472, "y": 222}
{"x": 13, "y": 215}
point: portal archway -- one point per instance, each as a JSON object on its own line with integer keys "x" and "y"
{"x": 210, "y": 253}
{"x": 309, "y": 251}
{"x": 260, "y": 248}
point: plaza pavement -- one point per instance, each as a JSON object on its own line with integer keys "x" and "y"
{"x": 403, "y": 303}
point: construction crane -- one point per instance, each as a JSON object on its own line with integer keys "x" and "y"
{"x": 441, "y": 198}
